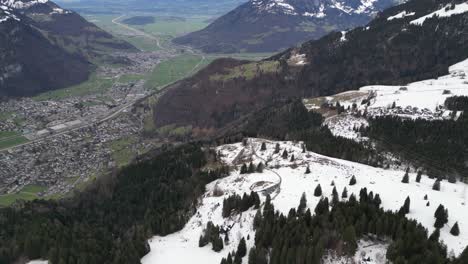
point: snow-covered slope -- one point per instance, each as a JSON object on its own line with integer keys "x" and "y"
{"x": 286, "y": 181}
{"x": 6, "y": 13}
{"x": 423, "y": 99}
{"x": 446, "y": 11}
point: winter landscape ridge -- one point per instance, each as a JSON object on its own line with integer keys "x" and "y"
{"x": 350, "y": 148}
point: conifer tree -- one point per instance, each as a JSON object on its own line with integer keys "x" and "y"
{"x": 452, "y": 178}
{"x": 285, "y": 154}
{"x": 251, "y": 168}
{"x": 352, "y": 181}
{"x": 335, "y": 197}
{"x": 260, "y": 167}
{"x": 307, "y": 170}
{"x": 303, "y": 148}
{"x": 302, "y": 204}
{"x": 318, "y": 191}
{"x": 292, "y": 158}
{"x": 241, "y": 249}
{"x": 455, "y": 231}
{"x": 418, "y": 176}
{"x": 405, "y": 178}
{"x": 441, "y": 215}
{"x": 277, "y": 148}
{"x": 243, "y": 169}
{"x": 344, "y": 195}
{"x": 405, "y": 209}
{"x": 436, "y": 186}
{"x": 435, "y": 235}
{"x": 263, "y": 147}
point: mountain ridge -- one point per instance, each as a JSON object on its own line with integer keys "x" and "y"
{"x": 45, "y": 47}
{"x": 273, "y": 25}
{"x": 383, "y": 52}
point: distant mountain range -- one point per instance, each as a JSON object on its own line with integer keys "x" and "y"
{"x": 45, "y": 47}
{"x": 272, "y": 25}
{"x": 403, "y": 44}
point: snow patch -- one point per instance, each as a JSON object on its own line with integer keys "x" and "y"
{"x": 401, "y": 15}
{"x": 18, "y": 4}
{"x": 446, "y": 11}
{"x": 343, "y": 36}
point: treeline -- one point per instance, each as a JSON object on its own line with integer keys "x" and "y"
{"x": 303, "y": 238}
{"x": 292, "y": 121}
{"x": 111, "y": 222}
{"x": 237, "y": 204}
{"x": 440, "y": 146}
{"x": 457, "y": 103}
{"x": 212, "y": 234}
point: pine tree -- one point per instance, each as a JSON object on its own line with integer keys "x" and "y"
{"x": 435, "y": 235}
{"x": 344, "y": 195}
{"x": 243, "y": 169}
{"x": 307, "y": 170}
{"x": 292, "y": 158}
{"x": 455, "y": 231}
{"x": 352, "y": 181}
{"x": 405, "y": 209}
{"x": 263, "y": 147}
{"x": 202, "y": 241}
{"x": 335, "y": 197}
{"x": 241, "y": 249}
{"x": 418, "y": 176}
{"x": 441, "y": 215}
{"x": 318, "y": 191}
{"x": 302, "y": 204}
{"x": 452, "y": 178}
{"x": 436, "y": 186}
{"x": 285, "y": 154}
{"x": 425, "y": 197}
{"x": 251, "y": 168}
{"x": 277, "y": 148}
{"x": 260, "y": 167}
{"x": 303, "y": 148}
{"x": 405, "y": 178}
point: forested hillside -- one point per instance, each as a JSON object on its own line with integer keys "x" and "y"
{"x": 386, "y": 51}
{"x": 110, "y": 222}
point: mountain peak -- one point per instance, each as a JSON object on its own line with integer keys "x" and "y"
{"x": 318, "y": 8}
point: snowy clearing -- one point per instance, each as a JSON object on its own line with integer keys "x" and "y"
{"x": 446, "y": 11}
{"x": 401, "y": 15}
{"x": 181, "y": 247}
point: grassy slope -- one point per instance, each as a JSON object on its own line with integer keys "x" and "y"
{"x": 28, "y": 193}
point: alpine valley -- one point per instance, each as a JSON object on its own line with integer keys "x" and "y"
{"x": 350, "y": 148}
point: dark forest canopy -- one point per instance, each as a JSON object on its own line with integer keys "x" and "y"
{"x": 116, "y": 216}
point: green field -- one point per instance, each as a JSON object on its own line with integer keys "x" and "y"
{"x": 93, "y": 85}
{"x": 174, "y": 69}
{"x": 11, "y": 138}
{"x": 28, "y": 193}
{"x": 122, "y": 152}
